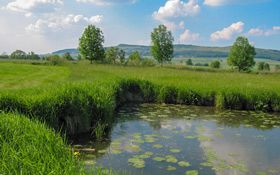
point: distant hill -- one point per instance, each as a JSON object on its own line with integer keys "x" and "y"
{"x": 188, "y": 51}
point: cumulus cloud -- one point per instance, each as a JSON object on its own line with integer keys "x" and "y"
{"x": 177, "y": 8}
{"x": 174, "y": 9}
{"x": 188, "y": 36}
{"x": 226, "y": 2}
{"x": 215, "y": 2}
{"x": 106, "y": 2}
{"x": 29, "y": 6}
{"x": 228, "y": 32}
{"x": 57, "y": 23}
{"x": 262, "y": 32}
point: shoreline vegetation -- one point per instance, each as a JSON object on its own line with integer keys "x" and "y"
{"x": 61, "y": 97}
{"x": 84, "y": 97}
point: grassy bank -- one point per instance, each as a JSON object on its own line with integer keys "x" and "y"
{"x": 84, "y": 95}
{"x": 78, "y": 98}
{"x": 29, "y": 147}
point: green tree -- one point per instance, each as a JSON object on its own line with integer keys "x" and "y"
{"x": 162, "y": 44}
{"x": 32, "y": 56}
{"x": 91, "y": 44}
{"x": 134, "y": 59}
{"x": 79, "y": 57}
{"x": 112, "y": 54}
{"x": 263, "y": 66}
{"x": 189, "y": 62}
{"x": 18, "y": 54}
{"x": 242, "y": 54}
{"x": 67, "y": 56}
{"x": 122, "y": 56}
{"x": 215, "y": 64}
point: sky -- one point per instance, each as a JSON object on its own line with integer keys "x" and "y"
{"x": 45, "y": 26}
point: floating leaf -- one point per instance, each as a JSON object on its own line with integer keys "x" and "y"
{"x": 158, "y": 159}
{"x": 175, "y": 150}
{"x": 183, "y": 164}
{"x": 171, "y": 159}
{"x": 171, "y": 168}
{"x": 192, "y": 172}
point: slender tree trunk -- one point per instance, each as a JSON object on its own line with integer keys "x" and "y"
{"x": 90, "y": 61}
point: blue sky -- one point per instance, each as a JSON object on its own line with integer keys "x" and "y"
{"x": 47, "y": 25}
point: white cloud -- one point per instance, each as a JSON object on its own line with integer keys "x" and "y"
{"x": 176, "y": 9}
{"x": 29, "y": 6}
{"x": 261, "y": 32}
{"x": 214, "y": 2}
{"x": 228, "y": 32}
{"x": 228, "y": 2}
{"x": 55, "y": 23}
{"x": 188, "y": 36}
{"x": 106, "y": 2}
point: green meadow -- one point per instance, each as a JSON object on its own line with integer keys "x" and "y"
{"x": 77, "y": 97}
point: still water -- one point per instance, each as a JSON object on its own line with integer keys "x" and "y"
{"x": 172, "y": 139}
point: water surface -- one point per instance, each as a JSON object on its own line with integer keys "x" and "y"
{"x": 172, "y": 139}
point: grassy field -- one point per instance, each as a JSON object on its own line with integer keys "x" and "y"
{"x": 79, "y": 97}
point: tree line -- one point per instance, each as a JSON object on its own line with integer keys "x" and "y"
{"x": 241, "y": 55}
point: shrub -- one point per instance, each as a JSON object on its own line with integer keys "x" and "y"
{"x": 215, "y": 64}
{"x": 263, "y": 66}
{"x": 148, "y": 62}
{"x": 55, "y": 60}
{"x": 134, "y": 59}
{"x": 189, "y": 62}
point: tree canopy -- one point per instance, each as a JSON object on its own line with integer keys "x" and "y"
{"x": 162, "y": 44}
{"x": 242, "y": 54}
{"x": 91, "y": 44}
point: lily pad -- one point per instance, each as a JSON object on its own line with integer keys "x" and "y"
{"x": 183, "y": 164}
{"x": 171, "y": 168}
{"x": 136, "y": 162}
{"x": 158, "y": 159}
{"x": 175, "y": 150}
{"x": 171, "y": 159}
{"x": 192, "y": 172}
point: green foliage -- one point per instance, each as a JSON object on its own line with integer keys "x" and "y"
{"x": 79, "y": 57}
{"x": 263, "y": 66}
{"x": 202, "y": 64}
{"x": 67, "y": 56}
{"x": 55, "y": 60}
{"x": 189, "y": 62}
{"x": 242, "y": 54}
{"x": 4, "y": 56}
{"x": 114, "y": 55}
{"x": 148, "y": 62}
{"x": 91, "y": 44}
{"x": 215, "y": 64}
{"x": 18, "y": 54}
{"x": 29, "y": 147}
{"x": 134, "y": 59}
{"x": 162, "y": 44}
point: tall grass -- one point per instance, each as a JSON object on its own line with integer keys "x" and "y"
{"x": 29, "y": 147}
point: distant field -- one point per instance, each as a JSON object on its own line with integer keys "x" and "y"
{"x": 25, "y": 76}
{"x": 182, "y": 61}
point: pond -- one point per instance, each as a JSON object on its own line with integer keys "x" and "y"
{"x": 172, "y": 139}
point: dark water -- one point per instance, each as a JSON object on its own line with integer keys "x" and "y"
{"x": 172, "y": 139}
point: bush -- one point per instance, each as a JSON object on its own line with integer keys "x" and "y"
{"x": 189, "y": 62}
{"x": 134, "y": 59}
{"x": 263, "y": 66}
{"x": 202, "y": 64}
{"x": 215, "y": 64}
{"x": 148, "y": 62}
{"x": 55, "y": 60}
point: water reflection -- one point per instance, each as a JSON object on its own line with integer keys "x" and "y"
{"x": 173, "y": 139}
